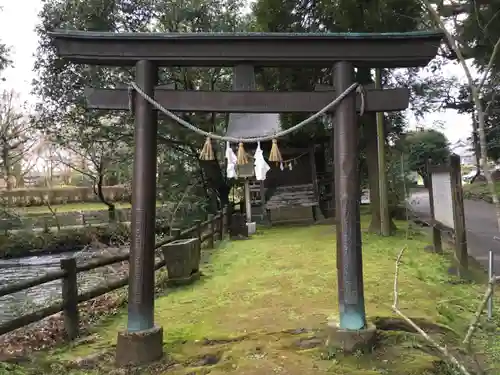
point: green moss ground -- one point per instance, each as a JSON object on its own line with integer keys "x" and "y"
{"x": 262, "y": 304}
{"x": 480, "y": 191}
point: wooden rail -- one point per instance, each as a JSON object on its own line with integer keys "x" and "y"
{"x": 208, "y": 231}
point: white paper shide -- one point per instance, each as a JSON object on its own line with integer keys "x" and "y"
{"x": 260, "y": 165}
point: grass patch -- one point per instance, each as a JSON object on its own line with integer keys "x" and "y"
{"x": 74, "y": 207}
{"x": 480, "y": 191}
{"x": 71, "y": 207}
{"x": 262, "y": 304}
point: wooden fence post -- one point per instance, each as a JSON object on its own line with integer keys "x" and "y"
{"x": 223, "y": 222}
{"x": 220, "y": 226}
{"x": 176, "y": 234}
{"x": 70, "y": 298}
{"x": 197, "y": 223}
{"x": 46, "y": 226}
{"x": 230, "y": 210}
{"x": 120, "y": 216}
{"x": 211, "y": 239}
{"x": 436, "y": 233}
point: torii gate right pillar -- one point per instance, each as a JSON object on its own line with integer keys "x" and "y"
{"x": 349, "y": 258}
{"x": 350, "y": 332}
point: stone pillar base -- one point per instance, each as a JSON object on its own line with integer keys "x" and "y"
{"x": 350, "y": 341}
{"x": 252, "y": 228}
{"x": 139, "y": 348}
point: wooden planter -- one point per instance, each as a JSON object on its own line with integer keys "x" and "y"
{"x": 182, "y": 258}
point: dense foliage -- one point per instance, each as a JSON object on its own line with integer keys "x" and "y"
{"x": 424, "y": 147}
{"x": 105, "y": 140}
{"x": 4, "y": 56}
{"x": 477, "y": 30}
{"x": 351, "y": 16}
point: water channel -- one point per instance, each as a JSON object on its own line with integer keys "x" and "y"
{"x": 15, "y": 270}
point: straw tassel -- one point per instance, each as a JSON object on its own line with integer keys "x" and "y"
{"x": 242, "y": 155}
{"x": 207, "y": 153}
{"x": 275, "y": 154}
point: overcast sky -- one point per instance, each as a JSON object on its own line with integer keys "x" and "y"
{"x": 19, "y": 18}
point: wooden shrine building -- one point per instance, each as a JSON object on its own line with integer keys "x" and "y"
{"x": 289, "y": 192}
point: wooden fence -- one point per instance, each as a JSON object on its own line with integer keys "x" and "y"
{"x": 207, "y": 231}
{"x": 63, "y": 195}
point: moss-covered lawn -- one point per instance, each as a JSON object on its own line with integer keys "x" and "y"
{"x": 480, "y": 191}
{"x": 262, "y": 304}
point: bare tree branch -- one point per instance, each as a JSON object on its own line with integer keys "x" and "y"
{"x": 442, "y": 349}
{"x": 16, "y": 137}
{"x": 480, "y": 309}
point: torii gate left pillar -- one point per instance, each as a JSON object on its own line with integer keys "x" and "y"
{"x": 142, "y": 341}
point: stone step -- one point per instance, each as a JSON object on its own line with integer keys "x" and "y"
{"x": 292, "y": 196}
{"x": 294, "y": 188}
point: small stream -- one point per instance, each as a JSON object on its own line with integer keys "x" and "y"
{"x": 15, "y": 270}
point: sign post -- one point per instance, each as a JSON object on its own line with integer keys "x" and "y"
{"x": 447, "y": 208}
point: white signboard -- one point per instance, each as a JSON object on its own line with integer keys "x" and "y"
{"x": 443, "y": 203}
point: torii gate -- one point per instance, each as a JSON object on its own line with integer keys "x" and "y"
{"x": 142, "y": 341}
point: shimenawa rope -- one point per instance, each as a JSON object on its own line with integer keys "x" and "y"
{"x": 331, "y": 105}
{"x": 207, "y": 152}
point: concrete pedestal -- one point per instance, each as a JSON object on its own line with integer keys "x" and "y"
{"x": 139, "y": 348}
{"x": 182, "y": 259}
{"x": 252, "y": 228}
{"x": 350, "y": 341}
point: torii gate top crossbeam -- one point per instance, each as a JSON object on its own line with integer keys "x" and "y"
{"x": 384, "y": 50}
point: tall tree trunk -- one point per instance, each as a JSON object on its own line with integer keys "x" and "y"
{"x": 212, "y": 177}
{"x": 371, "y": 149}
{"x": 370, "y": 131}
{"x": 476, "y": 147}
{"x": 99, "y": 192}
{"x": 17, "y": 172}
{"x": 6, "y": 165}
{"x": 425, "y": 177}
{"x": 368, "y": 122}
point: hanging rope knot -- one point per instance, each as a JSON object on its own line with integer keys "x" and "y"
{"x": 241, "y": 158}
{"x": 362, "y": 93}
{"x": 207, "y": 152}
{"x": 275, "y": 154}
